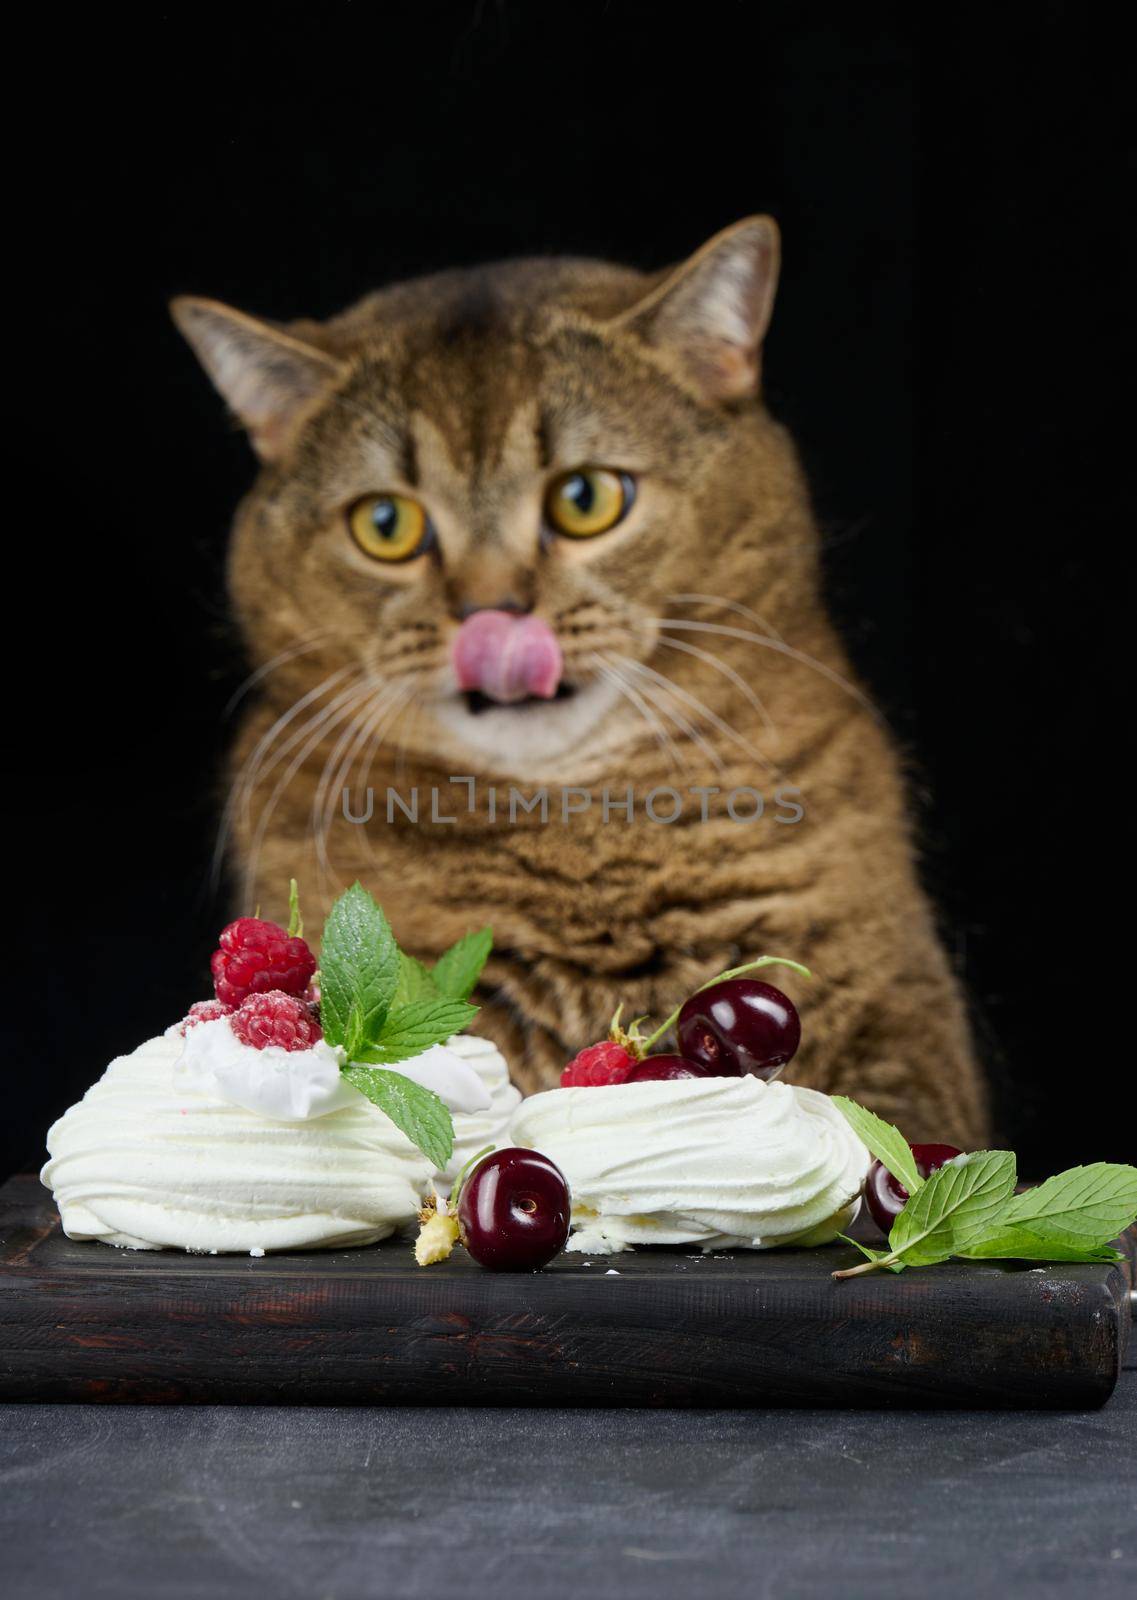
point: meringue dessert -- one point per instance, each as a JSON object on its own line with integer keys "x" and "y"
{"x": 296, "y": 1110}
{"x": 204, "y": 1144}
{"x": 716, "y": 1162}
{"x": 145, "y": 1162}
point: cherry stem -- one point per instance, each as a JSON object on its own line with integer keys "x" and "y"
{"x": 456, "y": 1186}
{"x": 722, "y": 977}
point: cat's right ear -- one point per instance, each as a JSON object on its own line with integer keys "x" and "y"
{"x": 710, "y": 315}
{"x": 268, "y": 378}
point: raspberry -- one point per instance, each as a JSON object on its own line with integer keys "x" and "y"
{"x": 275, "y": 1018}
{"x": 203, "y": 1011}
{"x": 256, "y": 956}
{"x": 602, "y": 1063}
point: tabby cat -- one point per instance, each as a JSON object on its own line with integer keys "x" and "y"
{"x": 530, "y": 527}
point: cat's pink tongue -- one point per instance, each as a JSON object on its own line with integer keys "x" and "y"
{"x": 507, "y": 657}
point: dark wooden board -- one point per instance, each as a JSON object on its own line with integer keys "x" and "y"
{"x": 85, "y": 1322}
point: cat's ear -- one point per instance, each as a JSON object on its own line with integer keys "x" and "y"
{"x": 711, "y": 313}
{"x": 268, "y": 378}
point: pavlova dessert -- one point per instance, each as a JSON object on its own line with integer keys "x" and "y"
{"x": 700, "y": 1148}
{"x": 294, "y": 1110}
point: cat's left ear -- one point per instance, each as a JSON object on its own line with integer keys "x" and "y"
{"x": 711, "y": 314}
{"x": 269, "y": 378}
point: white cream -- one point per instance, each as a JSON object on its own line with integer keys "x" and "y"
{"x": 721, "y": 1163}
{"x": 147, "y": 1162}
{"x": 294, "y": 1085}
{"x": 489, "y": 1125}
{"x": 286, "y": 1085}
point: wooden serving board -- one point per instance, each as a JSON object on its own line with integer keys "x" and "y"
{"x": 85, "y": 1322}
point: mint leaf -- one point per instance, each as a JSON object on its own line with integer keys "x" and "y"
{"x": 957, "y": 1205}
{"x": 415, "y": 1111}
{"x": 1083, "y": 1206}
{"x": 458, "y": 969}
{"x": 1018, "y": 1244}
{"x": 414, "y": 983}
{"x": 886, "y": 1143}
{"x": 359, "y": 967}
{"x": 414, "y": 1027}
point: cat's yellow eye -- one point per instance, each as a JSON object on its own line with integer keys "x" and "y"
{"x": 389, "y": 527}
{"x": 588, "y": 501}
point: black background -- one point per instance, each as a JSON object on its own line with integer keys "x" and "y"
{"x": 950, "y": 188}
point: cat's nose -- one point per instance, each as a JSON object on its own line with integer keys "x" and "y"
{"x": 489, "y": 581}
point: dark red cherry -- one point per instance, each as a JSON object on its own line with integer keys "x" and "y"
{"x": 513, "y": 1212}
{"x": 739, "y": 1025}
{"x": 653, "y": 1069}
{"x": 886, "y": 1198}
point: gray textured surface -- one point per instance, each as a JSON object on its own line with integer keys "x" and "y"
{"x": 178, "y": 1503}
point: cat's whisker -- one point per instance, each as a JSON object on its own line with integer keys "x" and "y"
{"x": 330, "y": 793}
{"x": 667, "y": 705}
{"x": 781, "y": 648}
{"x": 377, "y": 737}
{"x": 337, "y": 764}
{"x": 701, "y": 708}
{"x": 664, "y": 697}
{"x": 305, "y": 647}
{"x": 735, "y": 677}
{"x": 358, "y": 686}
{"x": 377, "y": 714}
{"x": 727, "y": 605}
{"x": 317, "y": 728}
{"x": 404, "y": 739}
{"x": 251, "y": 772}
{"x": 322, "y": 721}
{"x": 379, "y": 734}
{"x": 327, "y": 724}
{"x": 246, "y": 780}
{"x": 628, "y": 692}
{"x": 308, "y": 734}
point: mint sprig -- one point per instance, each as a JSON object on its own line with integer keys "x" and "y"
{"x": 968, "y": 1207}
{"x": 382, "y": 1006}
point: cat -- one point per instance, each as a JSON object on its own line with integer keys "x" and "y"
{"x": 576, "y": 456}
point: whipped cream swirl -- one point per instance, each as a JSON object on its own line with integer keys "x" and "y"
{"x": 717, "y": 1162}
{"x": 147, "y": 1161}
{"x": 293, "y": 1085}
